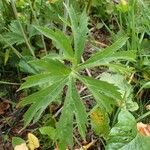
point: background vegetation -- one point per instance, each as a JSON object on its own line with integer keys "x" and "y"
{"x": 74, "y": 74}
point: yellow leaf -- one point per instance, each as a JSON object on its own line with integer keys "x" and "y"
{"x": 22, "y": 146}
{"x": 33, "y": 141}
{"x": 124, "y": 2}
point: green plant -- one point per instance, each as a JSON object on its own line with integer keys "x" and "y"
{"x": 54, "y": 73}
{"x": 124, "y": 134}
{"x": 102, "y": 9}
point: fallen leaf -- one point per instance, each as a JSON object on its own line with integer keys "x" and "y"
{"x": 148, "y": 107}
{"x": 4, "y": 106}
{"x": 22, "y": 146}
{"x": 99, "y": 121}
{"x": 86, "y": 147}
{"x": 144, "y": 129}
{"x": 33, "y": 141}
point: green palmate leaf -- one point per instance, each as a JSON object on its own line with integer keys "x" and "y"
{"x": 53, "y": 66}
{"x": 129, "y": 55}
{"x": 65, "y": 125}
{"x": 40, "y": 79}
{"x": 121, "y": 55}
{"x": 124, "y": 135}
{"x": 105, "y": 94}
{"x": 100, "y": 121}
{"x": 106, "y": 88}
{"x": 62, "y": 41}
{"x": 105, "y": 56}
{"x": 120, "y": 68}
{"x": 125, "y": 89}
{"x": 78, "y": 109}
{"x": 72, "y": 106}
{"x": 79, "y": 28}
{"x": 40, "y": 100}
{"x": 104, "y": 101}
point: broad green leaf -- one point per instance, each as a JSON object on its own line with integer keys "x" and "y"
{"x": 62, "y": 41}
{"x": 100, "y": 121}
{"x": 123, "y": 132}
{"x": 48, "y": 130}
{"x": 40, "y": 79}
{"x": 53, "y": 66}
{"x": 40, "y": 100}
{"x": 140, "y": 142}
{"x": 72, "y": 106}
{"x": 104, "y": 56}
{"x": 17, "y": 141}
{"x": 79, "y": 28}
{"x": 124, "y": 135}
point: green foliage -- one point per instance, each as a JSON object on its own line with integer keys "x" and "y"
{"x": 109, "y": 54}
{"x": 50, "y": 131}
{"x": 104, "y": 93}
{"x": 103, "y": 8}
{"x": 17, "y": 141}
{"x": 124, "y": 134}
{"x": 100, "y": 121}
{"x": 79, "y": 30}
{"x": 72, "y": 106}
{"x": 125, "y": 89}
{"x": 56, "y": 79}
{"x": 63, "y": 43}
{"x": 52, "y": 69}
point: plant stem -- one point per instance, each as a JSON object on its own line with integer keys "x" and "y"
{"x": 89, "y": 6}
{"x": 9, "y": 83}
{"x": 14, "y": 50}
{"x": 21, "y": 27}
{"x": 37, "y": 22}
